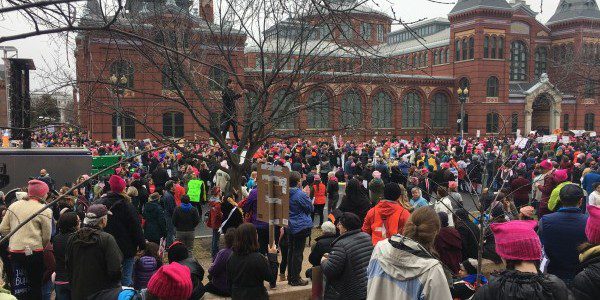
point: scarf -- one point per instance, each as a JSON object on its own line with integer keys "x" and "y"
{"x": 186, "y": 207}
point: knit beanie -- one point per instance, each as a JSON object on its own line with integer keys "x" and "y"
{"x": 177, "y": 252}
{"x": 172, "y": 281}
{"x": 546, "y": 164}
{"x": 592, "y": 228}
{"x": 391, "y": 191}
{"x": 517, "y": 240}
{"x": 561, "y": 175}
{"x": 37, "y": 189}
{"x": 117, "y": 184}
{"x": 350, "y": 221}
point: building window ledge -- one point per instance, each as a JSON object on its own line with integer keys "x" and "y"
{"x": 491, "y": 100}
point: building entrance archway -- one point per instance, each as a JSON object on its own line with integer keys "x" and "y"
{"x": 540, "y": 114}
{"x": 543, "y": 107}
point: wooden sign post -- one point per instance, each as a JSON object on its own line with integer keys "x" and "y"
{"x": 273, "y": 197}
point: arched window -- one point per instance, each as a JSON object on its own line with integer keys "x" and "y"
{"x": 492, "y": 122}
{"x": 217, "y": 78}
{"x": 382, "y": 111}
{"x": 589, "y": 123}
{"x": 471, "y": 47}
{"x": 439, "y": 111}
{"x": 173, "y": 124}
{"x": 171, "y": 79}
{"x": 351, "y": 110}
{"x": 514, "y": 122}
{"x": 123, "y": 71}
{"x": 435, "y": 57}
{"x": 284, "y": 109}
{"x": 127, "y": 124}
{"x": 518, "y": 61}
{"x": 501, "y": 48}
{"x": 447, "y": 57}
{"x": 493, "y": 86}
{"x": 457, "y": 49}
{"x": 494, "y": 46}
{"x": 565, "y": 122}
{"x": 464, "y": 83}
{"x": 541, "y": 56}
{"x": 318, "y": 110}
{"x": 411, "y": 110}
{"x": 465, "y": 49}
{"x": 486, "y": 46}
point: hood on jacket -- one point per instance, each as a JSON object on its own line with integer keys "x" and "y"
{"x": 386, "y": 208}
{"x": 86, "y": 236}
{"x": 403, "y": 258}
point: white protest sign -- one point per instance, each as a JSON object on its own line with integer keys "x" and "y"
{"x": 547, "y": 139}
{"x": 478, "y": 133}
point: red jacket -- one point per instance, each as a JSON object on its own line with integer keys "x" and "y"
{"x": 320, "y": 191}
{"x": 384, "y": 220}
{"x": 215, "y": 216}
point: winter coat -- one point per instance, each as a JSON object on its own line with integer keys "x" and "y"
{"x": 143, "y": 269}
{"x": 123, "y": 224}
{"x": 322, "y": 246}
{"x": 359, "y": 206}
{"x": 520, "y": 187}
{"x": 168, "y": 203}
{"x": 515, "y": 285}
{"x": 186, "y": 219}
{"x": 93, "y": 262}
{"x": 549, "y": 184}
{"x": 301, "y": 210}
{"x": 197, "y": 274}
{"x": 251, "y": 208}
{"x": 402, "y": 269}
{"x": 469, "y": 237}
{"x": 218, "y": 270}
{"x": 320, "y": 191}
{"x": 59, "y": 241}
{"x": 246, "y": 275}
{"x": 346, "y": 267}
{"x": 444, "y": 205}
{"x": 34, "y": 234}
{"x": 333, "y": 188}
{"x": 384, "y": 220}
{"x": 155, "y": 226}
{"x": 585, "y": 284}
{"x": 561, "y": 233}
{"x": 215, "y": 216}
{"x": 236, "y": 218}
{"x": 449, "y": 247}
{"x": 588, "y": 181}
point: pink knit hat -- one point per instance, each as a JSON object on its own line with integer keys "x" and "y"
{"x": 452, "y": 184}
{"x": 172, "y": 281}
{"x": 517, "y": 240}
{"x": 377, "y": 174}
{"x": 560, "y": 175}
{"x": 546, "y": 164}
{"x": 37, "y": 189}
{"x": 117, "y": 184}
{"x": 592, "y": 228}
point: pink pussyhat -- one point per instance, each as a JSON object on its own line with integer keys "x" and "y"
{"x": 592, "y": 228}
{"x": 517, "y": 240}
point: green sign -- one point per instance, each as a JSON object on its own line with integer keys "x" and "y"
{"x": 195, "y": 189}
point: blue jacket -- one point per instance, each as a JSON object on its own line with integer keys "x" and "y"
{"x": 301, "y": 209}
{"x": 561, "y": 233}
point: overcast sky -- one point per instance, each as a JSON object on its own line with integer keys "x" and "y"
{"x": 52, "y": 54}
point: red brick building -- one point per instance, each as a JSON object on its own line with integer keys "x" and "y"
{"x": 521, "y": 74}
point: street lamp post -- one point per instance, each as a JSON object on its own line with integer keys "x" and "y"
{"x": 463, "y": 95}
{"x": 118, "y": 85}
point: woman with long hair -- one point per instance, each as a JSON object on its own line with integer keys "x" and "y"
{"x": 404, "y": 266}
{"x": 356, "y": 200}
{"x": 247, "y": 269}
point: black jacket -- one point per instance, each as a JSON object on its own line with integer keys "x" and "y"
{"x": 59, "y": 242}
{"x": 515, "y": 285}
{"x": 469, "y": 235}
{"x": 236, "y": 218}
{"x": 124, "y": 224}
{"x": 155, "y": 226}
{"x": 93, "y": 262}
{"x": 322, "y": 246}
{"x": 197, "y": 273}
{"x": 346, "y": 267}
{"x": 585, "y": 285}
{"x": 186, "y": 220}
{"x": 246, "y": 275}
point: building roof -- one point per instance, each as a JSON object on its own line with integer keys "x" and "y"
{"x": 466, "y": 5}
{"x": 438, "y": 39}
{"x": 575, "y": 9}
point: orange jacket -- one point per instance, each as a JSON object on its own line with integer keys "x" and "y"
{"x": 320, "y": 191}
{"x": 384, "y": 220}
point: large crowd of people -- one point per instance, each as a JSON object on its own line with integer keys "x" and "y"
{"x": 395, "y": 219}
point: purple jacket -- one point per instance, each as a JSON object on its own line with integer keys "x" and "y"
{"x": 252, "y": 208}
{"x": 218, "y": 270}
{"x": 144, "y": 268}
